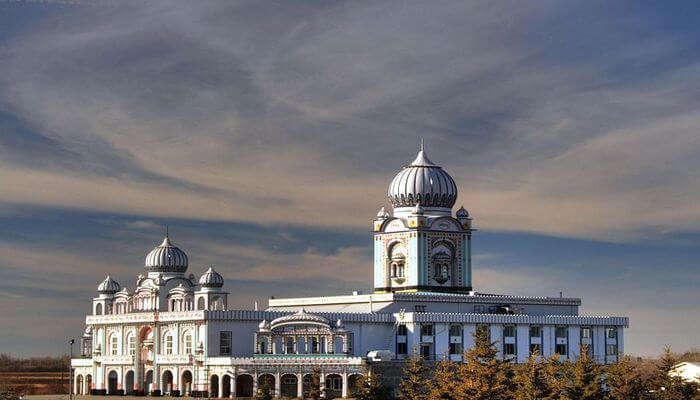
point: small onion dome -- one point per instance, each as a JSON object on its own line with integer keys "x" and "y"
{"x": 422, "y": 182}
{"x": 108, "y": 285}
{"x": 262, "y": 324}
{"x": 382, "y": 214}
{"x": 418, "y": 210}
{"x": 339, "y": 323}
{"x": 211, "y": 278}
{"x": 462, "y": 213}
{"x": 166, "y": 258}
{"x": 300, "y": 318}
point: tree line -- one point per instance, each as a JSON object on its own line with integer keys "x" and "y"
{"x": 33, "y": 364}
{"x": 485, "y": 376}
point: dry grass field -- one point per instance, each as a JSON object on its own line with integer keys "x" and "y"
{"x": 35, "y": 383}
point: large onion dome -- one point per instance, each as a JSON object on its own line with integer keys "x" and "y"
{"x": 166, "y": 258}
{"x": 301, "y": 317}
{"x": 108, "y": 286}
{"x": 212, "y": 279}
{"x": 422, "y": 182}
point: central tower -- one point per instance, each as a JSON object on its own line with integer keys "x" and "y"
{"x": 421, "y": 246}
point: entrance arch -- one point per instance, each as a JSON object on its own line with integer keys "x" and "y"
{"x": 354, "y": 382}
{"x": 267, "y": 381}
{"x": 186, "y": 383}
{"x": 244, "y": 386}
{"x": 334, "y": 386}
{"x": 226, "y": 386}
{"x": 214, "y": 386}
{"x": 289, "y": 385}
{"x": 129, "y": 382}
{"x": 167, "y": 382}
{"x": 79, "y": 384}
{"x": 149, "y": 381}
{"x": 112, "y": 382}
{"x": 88, "y": 384}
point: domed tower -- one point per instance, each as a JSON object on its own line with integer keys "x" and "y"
{"x": 210, "y": 295}
{"x": 103, "y": 303}
{"x": 166, "y": 259}
{"x": 422, "y": 246}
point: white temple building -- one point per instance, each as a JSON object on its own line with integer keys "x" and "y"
{"x": 175, "y": 334}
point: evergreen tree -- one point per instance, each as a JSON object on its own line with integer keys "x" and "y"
{"x": 371, "y": 388}
{"x": 413, "y": 385}
{"x": 535, "y": 380}
{"x": 666, "y": 386}
{"x": 264, "y": 393}
{"x": 314, "y": 391}
{"x": 585, "y": 381}
{"x": 484, "y": 376}
{"x": 624, "y": 381}
{"x": 444, "y": 382}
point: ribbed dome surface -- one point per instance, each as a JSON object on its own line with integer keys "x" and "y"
{"x": 166, "y": 258}
{"x": 422, "y": 182}
{"x": 108, "y": 285}
{"x": 211, "y": 278}
{"x": 301, "y": 317}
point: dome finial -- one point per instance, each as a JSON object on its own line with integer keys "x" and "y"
{"x": 422, "y": 147}
{"x": 167, "y": 233}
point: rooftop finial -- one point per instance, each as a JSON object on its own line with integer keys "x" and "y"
{"x": 421, "y": 144}
{"x": 167, "y": 233}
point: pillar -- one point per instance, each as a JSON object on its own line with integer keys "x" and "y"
{"x": 278, "y": 385}
{"x": 221, "y": 386}
{"x": 345, "y": 385}
{"x": 255, "y": 384}
{"x": 322, "y": 382}
{"x": 300, "y": 386}
{"x": 233, "y": 386}
{"x": 76, "y": 386}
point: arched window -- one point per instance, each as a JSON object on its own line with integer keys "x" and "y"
{"x": 131, "y": 344}
{"x": 187, "y": 343}
{"x": 397, "y": 259}
{"x": 168, "y": 344}
{"x": 114, "y": 345}
{"x": 200, "y": 303}
{"x": 442, "y": 262}
{"x": 98, "y": 309}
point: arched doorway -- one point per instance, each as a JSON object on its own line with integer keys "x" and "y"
{"x": 112, "y": 382}
{"x": 244, "y": 386}
{"x": 226, "y": 386}
{"x": 79, "y": 384}
{"x": 167, "y": 382}
{"x": 186, "y": 383}
{"x": 129, "y": 382}
{"x": 289, "y": 384}
{"x": 148, "y": 382}
{"x": 307, "y": 383}
{"x": 214, "y": 386}
{"x": 334, "y": 386}
{"x": 354, "y": 382}
{"x": 267, "y": 381}
{"x": 88, "y": 384}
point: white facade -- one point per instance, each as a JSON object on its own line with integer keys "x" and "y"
{"x": 175, "y": 334}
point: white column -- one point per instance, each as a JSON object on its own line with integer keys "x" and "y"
{"x": 300, "y": 385}
{"x": 221, "y": 387}
{"x": 345, "y": 385}
{"x": 233, "y": 386}
{"x": 278, "y": 385}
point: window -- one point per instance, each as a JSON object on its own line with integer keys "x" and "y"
{"x": 535, "y": 348}
{"x": 188, "y": 343}
{"x": 509, "y": 349}
{"x": 351, "y": 338}
{"x": 509, "y": 331}
{"x": 289, "y": 348}
{"x": 131, "y": 343}
{"x": 334, "y": 382}
{"x": 456, "y": 330}
{"x": 401, "y": 330}
{"x": 402, "y": 348}
{"x": 455, "y": 349}
{"x": 115, "y": 345}
{"x": 98, "y": 309}
{"x": 611, "y": 333}
{"x": 200, "y": 303}
{"x": 425, "y": 351}
{"x": 611, "y": 350}
{"x": 225, "y": 343}
{"x": 561, "y": 349}
{"x": 314, "y": 345}
{"x": 560, "y": 332}
{"x": 426, "y": 330}
{"x": 585, "y": 333}
{"x": 562, "y": 338}
{"x": 169, "y": 344}
{"x": 419, "y": 308}
{"x": 535, "y": 331}
{"x": 479, "y": 309}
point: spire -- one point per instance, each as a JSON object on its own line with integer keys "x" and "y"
{"x": 422, "y": 159}
{"x": 167, "y": 233}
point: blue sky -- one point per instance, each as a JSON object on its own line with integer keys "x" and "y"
{"x": 265, "y": 135}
